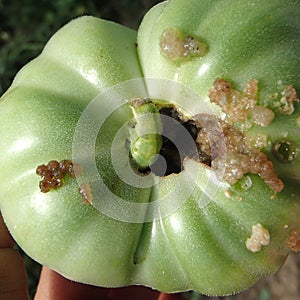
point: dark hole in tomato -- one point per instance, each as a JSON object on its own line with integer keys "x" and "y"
{"x": 172, "y": 136}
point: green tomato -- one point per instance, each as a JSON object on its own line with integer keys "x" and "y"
{"x": 184, "y": 231}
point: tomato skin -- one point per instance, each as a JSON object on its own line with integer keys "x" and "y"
{"x": 253, "y": 40}
{"x": 199, "y": 246}
{"x": 40, "y": 112}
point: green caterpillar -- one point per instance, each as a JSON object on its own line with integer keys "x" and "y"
{"x": 145, "y": 134}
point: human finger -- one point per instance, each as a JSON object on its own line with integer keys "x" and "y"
{"x": 133, "y": 293}
{"x": 53, "y": 286}
{"x": 13, "y": 279}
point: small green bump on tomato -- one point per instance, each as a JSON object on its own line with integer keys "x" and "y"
{"x": 284, "y": 150}
{"x": 177, "y": 45}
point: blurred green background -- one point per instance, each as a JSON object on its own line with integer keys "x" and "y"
{"x": 25, "y": 27}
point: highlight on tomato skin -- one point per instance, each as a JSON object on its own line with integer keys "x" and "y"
{"x": 173, "y": 164}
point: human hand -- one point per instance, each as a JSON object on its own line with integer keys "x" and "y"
{"x": 52, "y": 286}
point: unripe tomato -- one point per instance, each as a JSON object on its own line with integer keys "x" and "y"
{"x": 207, "y": 93}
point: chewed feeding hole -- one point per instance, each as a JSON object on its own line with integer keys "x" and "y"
{"x": 172, "y": 135}
{"x": 222, "y": 144}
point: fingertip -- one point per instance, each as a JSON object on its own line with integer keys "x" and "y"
{"x": 133, "y": 293}
{"x": 164, "y": 296}
{"x": 6, "y": 241}
{"x": 13, "y": 280}
{"x": 53, "y": 286}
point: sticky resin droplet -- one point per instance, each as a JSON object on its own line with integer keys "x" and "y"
{"x": 243, "y": 155}
{"x": 262, "y": 116}
{"x": 240, "y": 106}
{"x": 227, "y": 194}
{"x": 260, "y": 237}
{"x": 177, "y": 45}
{"x": 284, "y": 150}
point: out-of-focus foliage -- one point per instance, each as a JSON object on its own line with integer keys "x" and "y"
{"x": 25, "y": 26}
